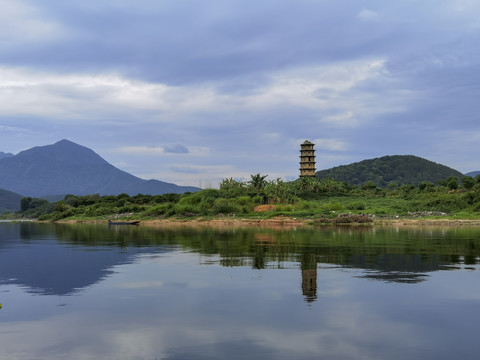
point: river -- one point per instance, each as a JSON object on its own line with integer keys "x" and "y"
{"x": 134, "y": 292}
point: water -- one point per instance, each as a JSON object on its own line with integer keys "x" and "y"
{"x": 122, "y": 292}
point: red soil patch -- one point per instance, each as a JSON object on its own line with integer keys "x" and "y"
{"x": 262, "y": 208}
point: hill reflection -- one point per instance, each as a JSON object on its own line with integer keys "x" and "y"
{"x": 62, "y": 259}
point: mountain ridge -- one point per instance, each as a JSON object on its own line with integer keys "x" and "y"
{"x": 69, "y": 168}
{"x": 5, "y": 155}
{"x": 473, "y": 173}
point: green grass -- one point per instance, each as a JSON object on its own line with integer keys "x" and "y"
{"x": 290, "y": 200}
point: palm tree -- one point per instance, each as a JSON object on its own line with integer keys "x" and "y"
{"x": 258, "y": 181}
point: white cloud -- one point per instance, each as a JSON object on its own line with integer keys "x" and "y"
{"x": 344, "y": 119}
{"x": 368, "y": 15}
{"x": 330, "y": 144}
{"x": 300, "y": 86}
{"x": 23, "y": 25}
{"x": 103, "y": 96}
{"x": 14, "y": 129}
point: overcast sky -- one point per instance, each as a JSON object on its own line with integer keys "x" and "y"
{"x": 191, "y": 92}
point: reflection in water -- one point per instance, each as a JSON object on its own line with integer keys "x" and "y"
{"x": 184, "y": 293}
{"x": 309, "y": 276}
{"x": 389, "y": 254}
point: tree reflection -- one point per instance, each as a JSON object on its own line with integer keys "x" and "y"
{"x": 383, "y": 254}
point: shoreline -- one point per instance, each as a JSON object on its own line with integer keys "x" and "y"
{"x": 287, "y": 222}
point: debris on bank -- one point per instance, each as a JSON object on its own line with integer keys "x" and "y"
{"x": 417, "y": 214}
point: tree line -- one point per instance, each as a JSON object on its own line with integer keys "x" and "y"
{"x": 301, "y": 197}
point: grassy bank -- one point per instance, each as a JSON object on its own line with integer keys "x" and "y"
{"x": 324, "y": 201}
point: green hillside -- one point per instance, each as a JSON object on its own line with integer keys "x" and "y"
{"x": 9, "y": 201}
{"x": 400, "y": 169}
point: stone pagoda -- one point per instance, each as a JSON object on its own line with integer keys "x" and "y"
{"x": 307, "y": 159}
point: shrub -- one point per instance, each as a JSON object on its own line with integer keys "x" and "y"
{"x": 307, "y": 205}
{"x": 191, "y": 199}
{"x": 243, "y": 200}
{"x": 158, "y": 210}
{"x": 358, "y": 205}
{"x": 426, "y": 186}
{"x": 185, "y": 209}
{"x": 224, "y": 206}
{"x": 257, "y": 200}
{"x": 446, "y": 203}
{"x": 332, "y": 206}
{"x": 284, "y": 208}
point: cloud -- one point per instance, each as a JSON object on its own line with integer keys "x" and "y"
{"x": 368, "y": 15}
{"x": 87, "y": 97}
{"x": 330, "y": 144}
{"x": 24, "y": 25}
{"x": 223, "y": 84}
{"x": 185, "y": 169}
{"x": 164, "y": 150}
{"x": 176, "y": 149}
{"x": 13, "y": 129}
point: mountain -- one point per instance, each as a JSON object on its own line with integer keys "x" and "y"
{"x": 9, "y": 201}
{"x": 5, "y": 155}
{"x": 401, "y": 169}
{"x": 473, "y": 173}
{"x": 69, "y": 168}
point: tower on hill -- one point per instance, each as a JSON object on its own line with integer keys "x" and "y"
{"x": 307, "y": 159}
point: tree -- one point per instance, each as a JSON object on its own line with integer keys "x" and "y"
{"x": 426, "y": 186}
{"x": 452, "y": 183}
{"x": 258, "y": 182}
{"x": 25, "y": 203}
{"x": 468, "y": 182}
{"x": 369, "y": 185}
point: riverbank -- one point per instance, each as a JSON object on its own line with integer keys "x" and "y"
{"x": 284, "y": 221}
{"x": 289, "y": 222}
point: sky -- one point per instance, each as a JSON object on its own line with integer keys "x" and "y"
{"x": 191, "y": 92}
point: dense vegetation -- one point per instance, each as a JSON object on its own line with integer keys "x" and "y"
{"x": 397, "y": 169}
{"x": 302, "y": 198}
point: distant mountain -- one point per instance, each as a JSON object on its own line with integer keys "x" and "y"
{"x": 401, "y": 169}
{"x": 473, "y": 173}
{"x": 4, "y": 155}
{"x": 69, "y": 168}
{"x": 9, "y": 201}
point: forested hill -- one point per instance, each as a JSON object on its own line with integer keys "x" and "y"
{"x": 400, "y": 169}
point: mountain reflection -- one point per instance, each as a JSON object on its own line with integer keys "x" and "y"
{"x": 61, "y": 259}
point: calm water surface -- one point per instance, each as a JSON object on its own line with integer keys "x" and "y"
{"x": 99, "y": 292}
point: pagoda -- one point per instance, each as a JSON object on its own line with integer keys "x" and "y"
{"x": 307, "y": 159}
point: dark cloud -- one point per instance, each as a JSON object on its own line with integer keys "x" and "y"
{"x": 243, "y": 82}
{"x": 176, "y": 149}
{"x": 189, "y": 41}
